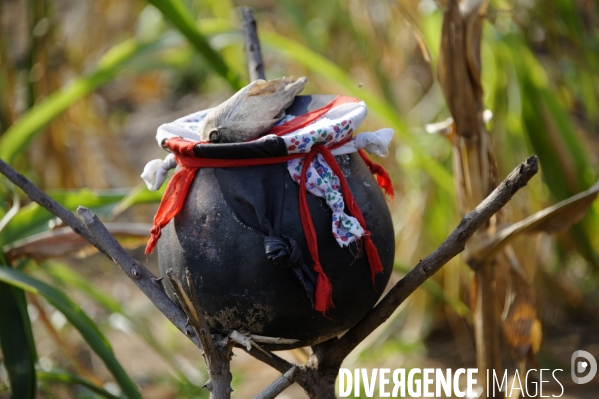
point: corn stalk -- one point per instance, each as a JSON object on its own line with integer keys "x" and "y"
{"x": 498, "y": 273}
{"x": 473, "y": 164}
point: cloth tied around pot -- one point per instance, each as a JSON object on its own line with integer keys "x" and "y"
{"x": 305, "y": 144}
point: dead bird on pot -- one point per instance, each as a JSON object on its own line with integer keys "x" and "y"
{"x": 252, "y": 111}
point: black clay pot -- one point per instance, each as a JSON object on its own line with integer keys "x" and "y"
{"x": 240, "y": 289}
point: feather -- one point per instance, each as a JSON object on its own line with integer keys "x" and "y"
{"x": 252, "y": 111}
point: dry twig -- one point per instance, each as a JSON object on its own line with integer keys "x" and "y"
{"x": 318, "y": 376}
{"x": 252, "y": 44}
{"x": 216, "y": 352}
{"x": 279, "y": 385}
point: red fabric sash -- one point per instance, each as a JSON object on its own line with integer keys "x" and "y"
{"x": 177, "y": 188}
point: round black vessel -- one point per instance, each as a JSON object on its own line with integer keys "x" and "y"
{"x": 240, "y": 289}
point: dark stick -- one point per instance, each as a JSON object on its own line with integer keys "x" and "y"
{"x": 98, "y": 236}
{"x": 142, "y": 277}
{"x": 216, "y": 355}
{"x": 274, "y": 361}
{"x": 279, "y": 385}
{"x": 252, "y": 44}
{"x": 317, "y": 377}
{"x": 37, "y": 195}
{"x": 453, "y": 245}
{"x": 204, "y": 328}
{"x": 304, "y": 379}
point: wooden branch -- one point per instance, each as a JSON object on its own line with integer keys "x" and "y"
{"x": 204, "y": 328}
{"x": 280, "y": 384}
{"x": 269, "y": 358}
{"x": 452, "y": 246}
{"x": 63, "y": 241}
{"x": 97, "y": 235}
{"x": 216, "y": 353}
{"x": 37, "y": 195}
{"x": 252, "y": 44}
{"x": 304, "y": 379}
{"x": 142, "y": 277}
{"x": 558, "y": 217}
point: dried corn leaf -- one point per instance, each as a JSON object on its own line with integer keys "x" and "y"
{"x": 555, "y": 218}
{"x": 64, "y": 241}
{"x": 522, "y": 328}
{"x": 454, "y": 74}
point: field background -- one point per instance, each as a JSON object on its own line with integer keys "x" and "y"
{"x": 84, "y": 84}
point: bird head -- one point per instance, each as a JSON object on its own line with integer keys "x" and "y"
{"x": 214, "y": 126}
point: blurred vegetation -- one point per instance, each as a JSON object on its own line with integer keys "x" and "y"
{"x": 86, "y": 83}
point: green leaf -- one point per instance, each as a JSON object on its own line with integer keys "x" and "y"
{"x": 33, "y": 219}
{"x": 90, "y": 332}
{"x": 564, "y": 157}
{"x": 16, "y": 341}
{"x": 65, "y": 277}
{"x": 179, "y": 15}
{"x": 436, "y": 290}
{"x": 66, "y": 378}
{"x": 138, "y": 195}
{"x": 18, "y": 135}
{"x": 68, "y": 278}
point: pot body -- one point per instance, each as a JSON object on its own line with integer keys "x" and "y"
{"x": 240, "y": 289}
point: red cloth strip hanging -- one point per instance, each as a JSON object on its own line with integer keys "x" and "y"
{"x": 382, "y": 177}
{"x": 354, "y": 210}
{"x": 323, "y": 300}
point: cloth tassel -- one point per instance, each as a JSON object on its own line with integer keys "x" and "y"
{"x": 323, "y": 300}
{"x": 382, "y": 177}
{"x": 155, "y": 233}
{"x": 373, "y": 257}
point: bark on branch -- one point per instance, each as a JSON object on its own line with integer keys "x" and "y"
{"x": 453, "y": 245}
{"x": 252, "y": 44}
{"x": 279, "y": 385}
{"x": 94, "y": 232}
{"x": 216, "y": 352}
{"x": 37, "y": 195}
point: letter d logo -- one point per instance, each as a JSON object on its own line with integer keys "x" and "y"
{"x": 582, "y": 365}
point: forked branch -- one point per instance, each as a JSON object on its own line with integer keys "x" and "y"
{"x": 323, "y": 365}
{"x": 452, "y": 246}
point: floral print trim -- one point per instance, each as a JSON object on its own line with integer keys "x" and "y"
{"x": 335, "y": 126}
{"x": 322, "y": 182}
{"x": 335, "y": 132}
